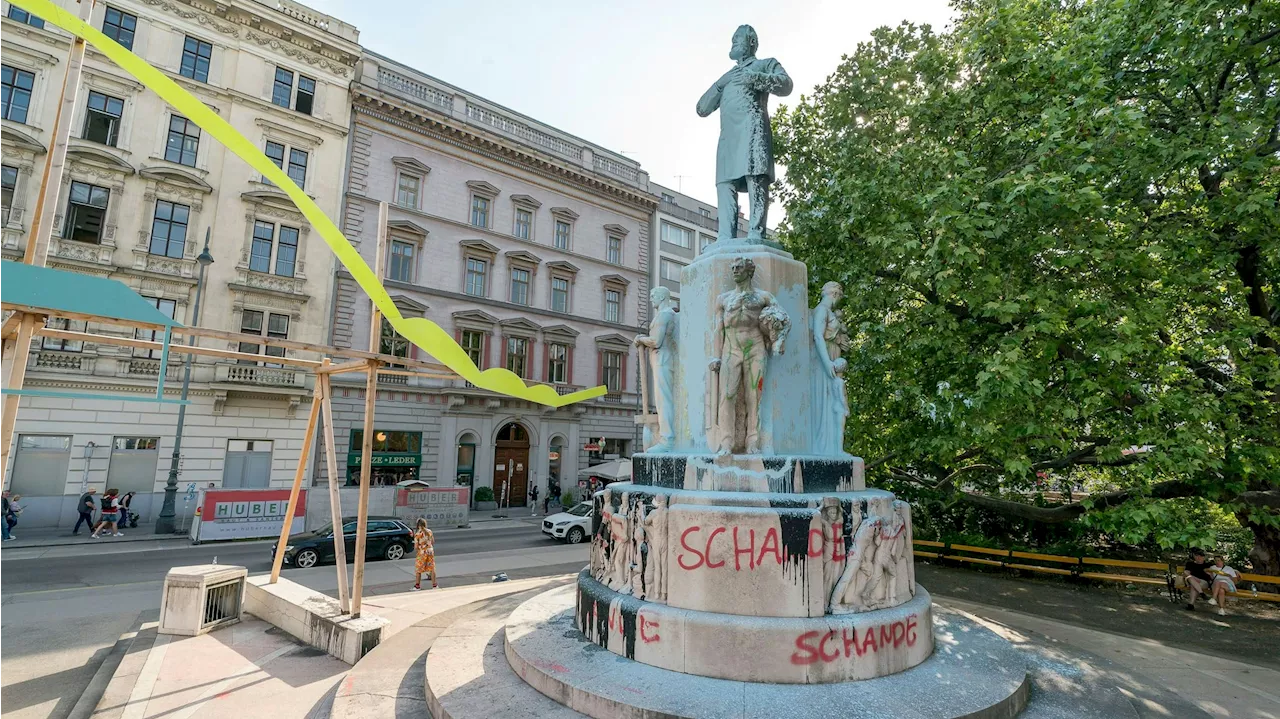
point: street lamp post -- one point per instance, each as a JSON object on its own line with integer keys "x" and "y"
{"x": 165, "y": 523}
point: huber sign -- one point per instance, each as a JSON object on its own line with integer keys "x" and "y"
{"x": 245, "y": 514}
{"x": 445, "y": 506}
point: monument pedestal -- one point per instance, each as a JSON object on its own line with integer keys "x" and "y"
{"x": 749, "y": 473}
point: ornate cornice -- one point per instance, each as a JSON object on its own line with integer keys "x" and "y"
{"x": 374, "y": 105}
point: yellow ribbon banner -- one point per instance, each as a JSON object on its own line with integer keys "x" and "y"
{"x": 422, "y": 332}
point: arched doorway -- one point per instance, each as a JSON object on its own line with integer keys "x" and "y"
{"x": 511, "y": 465}
{"x": 555, "y": 463}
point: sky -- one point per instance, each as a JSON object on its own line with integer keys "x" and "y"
{"x": 622, "y": 74}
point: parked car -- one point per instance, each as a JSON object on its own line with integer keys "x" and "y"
{"x": 388, "y": 538}
{"x": 573, "y": 526}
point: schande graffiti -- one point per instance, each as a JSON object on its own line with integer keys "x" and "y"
{"x": 813, "y": 647}
{"x": 746, "y": 549}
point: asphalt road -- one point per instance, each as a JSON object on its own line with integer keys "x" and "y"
{"x": 101, "y": 569}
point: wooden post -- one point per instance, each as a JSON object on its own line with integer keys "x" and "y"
{"x": 51, "y": 179}
{"x": 18, "y": 353}
{"x": 370, "y": 400}
{"x": 308, "y": 438}
{"x": 335, "y": 497}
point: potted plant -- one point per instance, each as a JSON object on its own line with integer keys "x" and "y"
{"x": 484, "y": 499}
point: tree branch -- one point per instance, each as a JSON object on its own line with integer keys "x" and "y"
{"x": 1062, "y": 513}
{"x": 1267, "y": 499}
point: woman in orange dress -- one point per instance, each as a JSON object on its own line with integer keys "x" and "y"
{"x": 424, "y": 542}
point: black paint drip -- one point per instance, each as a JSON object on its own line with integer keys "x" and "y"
{"x": 628, "y": 608}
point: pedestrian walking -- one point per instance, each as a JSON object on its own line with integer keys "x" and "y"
{"x": 424, "y": 542}
{"x": 127, "y": 517}
{"x": 110, "y": 514}
{"x": 11, "y": 514}
{"x": 533, "y": 498}
{"x": 85, "y": 507}
{"x": 4, "y": 525}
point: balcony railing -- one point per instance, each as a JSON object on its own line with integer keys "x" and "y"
{"x": 260, "y": 376}
{"x": 46, "y": 359}
{"x": 670, "y": 208}
{"x": 147, "y": 367}
{"x": 400, "y": 379}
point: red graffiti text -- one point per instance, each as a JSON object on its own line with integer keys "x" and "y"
{"x": 813, "y": 647}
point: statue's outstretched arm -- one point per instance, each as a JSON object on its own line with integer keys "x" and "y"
{"x": 710, "y": 100}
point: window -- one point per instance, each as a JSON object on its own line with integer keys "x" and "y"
{"x": 466, "y": 459}
{"x": 287, "y": 251}
{"x": 86, "y": 212}
{"x": 517, "y": 358}
{"x": 120, "y": 26}
{"x": 520, "y": 286}
{"x": 306, "y": 97}
{"x": 21, "y": 15}
{"x": 8, "y": 185}
{"x": 473, "y": 343}
{"x": 102, "y": 119}
{"x": 264, "y": 237}
{"x": 391, "y": 343}
{"x": 298, "y": 168}
{"x": 704, "y": 241}
{"x": 479, "y": 211}
{"x": 704, "y": 212}
{"x": 184, "y": 140}
{"x": 16, "y": 99}
{"x": 668, "y": 198}
{"x": 476, "y": 271}
{"x": 407, "y": 190}
{"x": 524, "y": 224}
{"x": 612, "y": 306}
{"x": 166, "y": 308}
{"x": 401, "y": 261}
{"x": 169, "y": 229}
{"x": 612, "y": 371}
{"x": 195, "y": 59}
{"x": 386, "y": 440}
{"x": 277, "y": 326}
{"x": 677, "y": 235}
{"x": 282, "y": 90}
{"x": 137, "y": 443}
{"x": 559, "y": 294}
{"x": 614, "y": 253}
{"x": 670, "y": 270}
{"x": 557, "y": 363}
{"x": 563, "y": 231}
{"x": 59, "y": 323}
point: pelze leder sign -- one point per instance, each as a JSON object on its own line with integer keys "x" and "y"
{"x": 245, "y": 514}
{"x": 443, "y": 506}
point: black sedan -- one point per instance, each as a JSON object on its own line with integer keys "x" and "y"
{"x": 388, "y": 538}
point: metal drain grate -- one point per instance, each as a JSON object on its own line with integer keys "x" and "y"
{"x": 222, "y": 603}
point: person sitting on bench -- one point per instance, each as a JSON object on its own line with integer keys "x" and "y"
{"x": 1196, "y": 575}
{"x": 1224, "y": 580}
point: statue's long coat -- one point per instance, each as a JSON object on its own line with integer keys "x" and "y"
{"x": 746, "y": 142}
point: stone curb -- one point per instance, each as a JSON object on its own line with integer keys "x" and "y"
{"x": 109, "y": 681}
{"x": 364, "y": 691}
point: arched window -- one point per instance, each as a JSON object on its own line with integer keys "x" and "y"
{"x": 513, "y": 432}
{"x": 554, "y": 463}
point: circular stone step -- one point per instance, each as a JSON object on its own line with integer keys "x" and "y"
{"x": 973, "y": 673}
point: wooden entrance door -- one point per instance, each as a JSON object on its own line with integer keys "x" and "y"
{"x": 511, "y": 465}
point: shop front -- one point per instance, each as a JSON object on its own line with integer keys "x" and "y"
{"x": 397, "y": 457}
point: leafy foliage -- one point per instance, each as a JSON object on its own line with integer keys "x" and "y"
{"x": 1058, "y": 231}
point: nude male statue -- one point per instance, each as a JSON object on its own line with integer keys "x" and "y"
{"x": 846, "y": 598}
{"x": 749, "y": 325}
{"x": 662, "y": 340}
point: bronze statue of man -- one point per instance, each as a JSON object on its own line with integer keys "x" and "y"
{"x": 744, "y": 157}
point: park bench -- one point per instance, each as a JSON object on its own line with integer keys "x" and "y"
{"x": 1128, "y": 571}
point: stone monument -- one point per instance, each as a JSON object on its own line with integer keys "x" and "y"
{"x": 746, "y": 570}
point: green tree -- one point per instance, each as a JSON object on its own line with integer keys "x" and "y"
{"x": 1058, "y": 231}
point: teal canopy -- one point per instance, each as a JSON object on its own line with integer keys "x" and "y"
{"x": 28, "y": 287}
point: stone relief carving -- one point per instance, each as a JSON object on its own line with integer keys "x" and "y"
{"x": 830, "y": 402}
{"x": 620, "y": 545}
{"x": 655, "y": 532}
{"x": 297, "y": 53}
{"x": 879, "y": 570}
{"x": 748, "y": 326}
{"x": 658, "y": 351}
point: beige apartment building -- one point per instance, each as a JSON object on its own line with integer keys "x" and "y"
{"x": 142, "y": 187}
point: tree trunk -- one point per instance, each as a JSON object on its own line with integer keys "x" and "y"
{"x": 1265, "y": 554}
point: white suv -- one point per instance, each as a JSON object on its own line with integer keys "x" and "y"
{"x": 573, "y": 526}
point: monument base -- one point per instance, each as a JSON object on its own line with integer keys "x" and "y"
{"x": 781, "y": 473}
{"x": 974, "y": 673}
